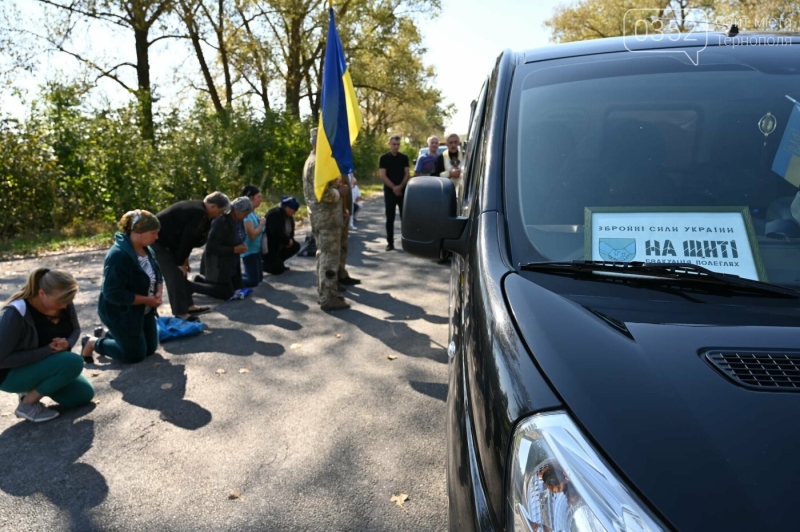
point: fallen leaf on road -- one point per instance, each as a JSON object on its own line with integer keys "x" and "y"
{"x": 156, "y": 365}
{"x": 221, "y": 371}
{"x": 391, "y": 357}
{"x": 97, "y": 402}
{"x": 166, "y": 386}
{"x": 234, "y": 495}
{"x": 400, "y": 499}
{"x": 295, "y": 346}
{"x": 244, "y": 370}
{"x": 6, "y": 414}
{"x": 94, "y": 373}
{"x": 338, "y": 335}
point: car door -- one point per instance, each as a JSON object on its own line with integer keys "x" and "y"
{"x": 465, "y": 198}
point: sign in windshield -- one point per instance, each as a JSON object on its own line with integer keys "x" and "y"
{"x": 720, "y": 241}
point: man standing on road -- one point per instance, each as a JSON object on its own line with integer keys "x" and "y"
{"x": 327, "y": 225}
{"x": 426, "y": 164}
{"x": 394, "y": 174}
{"x": 184, "y": 226}
{"x": 448, "y": 164}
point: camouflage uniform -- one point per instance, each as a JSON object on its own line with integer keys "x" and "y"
{"x": 327, "y": 224}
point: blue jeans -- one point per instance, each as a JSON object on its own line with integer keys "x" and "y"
{"x": 253, "y": 270}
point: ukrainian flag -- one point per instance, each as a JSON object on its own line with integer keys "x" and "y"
{"x": 340, "y": 117}
{"x": 787, "y": 161}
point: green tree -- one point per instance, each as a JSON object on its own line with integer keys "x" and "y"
{"x": 595, "y": 19}
{"x": 140, "y": 17}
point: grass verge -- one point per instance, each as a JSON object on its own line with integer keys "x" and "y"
{"x": 89, "y": 236}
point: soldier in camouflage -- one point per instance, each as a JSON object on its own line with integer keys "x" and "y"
{"x": 327, "y": 224}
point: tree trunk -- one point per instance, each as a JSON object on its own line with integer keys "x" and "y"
{"x": 223, "y": 54}
{"x": 294, "y": 73}
{"x": 144, "y": 93}
{"x": 194, "y": 36}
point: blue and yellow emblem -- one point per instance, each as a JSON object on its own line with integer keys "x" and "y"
{"x": 787, "y": 161}
{"x": 617, "y": 249}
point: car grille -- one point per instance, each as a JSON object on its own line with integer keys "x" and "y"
{"x": 759, "y": 370}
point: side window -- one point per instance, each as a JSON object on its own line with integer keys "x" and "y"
{"x": 471, "y": 170}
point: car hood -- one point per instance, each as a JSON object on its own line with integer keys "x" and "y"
{"x": 706, "y": 453}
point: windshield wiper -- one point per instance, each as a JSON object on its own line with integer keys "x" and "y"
{"x": 681, "y": 274}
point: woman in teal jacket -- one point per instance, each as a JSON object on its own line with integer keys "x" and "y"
{"x": 132, "y": 288}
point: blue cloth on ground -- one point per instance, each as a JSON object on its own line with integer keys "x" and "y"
{"x": 172, "y": 328}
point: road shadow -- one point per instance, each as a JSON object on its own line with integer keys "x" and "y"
{"x": 396, "y": 335}
{"x": 251, "y": 312}
{"x": 157, "y": 384}
{"x": 226, "y": 341}
{"x": 399, "y": 310}
{"x": 41, "y": 459}
{"x": 295, "y": 278}
{"x": 287, "y": 299}
{"x": 436, "y": 390}
{"x": 358, "y": 254}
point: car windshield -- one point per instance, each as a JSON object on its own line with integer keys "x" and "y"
{"x": 648, "y": 157}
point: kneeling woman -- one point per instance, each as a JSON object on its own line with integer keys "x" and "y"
{"x": 132, "y": 288}
{"x": 38, "y": 327}
{"x": 226, "y": 241}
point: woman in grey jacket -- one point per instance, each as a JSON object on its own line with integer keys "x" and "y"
{"x": 38, "y": 328}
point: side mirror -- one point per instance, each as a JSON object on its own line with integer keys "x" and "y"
{"x": 430, "y": 224}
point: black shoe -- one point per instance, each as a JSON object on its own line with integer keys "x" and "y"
{"x": 349, "y": 281}
{"x": 390, "y": 246}
{"x": 199, "y": 310}
{"x": 88, "y": 359}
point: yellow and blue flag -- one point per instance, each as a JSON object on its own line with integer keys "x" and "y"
{"x": 787, "y": 161}
{"x": 340, "y": 117}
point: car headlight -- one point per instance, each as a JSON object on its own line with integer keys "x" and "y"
{"x": 558, "y": 482}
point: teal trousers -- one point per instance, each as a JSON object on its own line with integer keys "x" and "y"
{"x": 57, "y": 377}
{"x": 121, "y": 345}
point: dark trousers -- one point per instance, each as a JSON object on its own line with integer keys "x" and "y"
{"x": 130, "y": 348}
{"x": 273, "y": 261}
{"x": 180, "y": 295}
{"x": 222, "y": 291}
{"x": 253, "y": 270}
{"x": 391, "y": 201}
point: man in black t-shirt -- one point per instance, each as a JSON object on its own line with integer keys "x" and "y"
{"x": 394, "y": 174}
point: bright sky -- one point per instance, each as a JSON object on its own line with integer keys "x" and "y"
{"x": 465, "y": 40}
{"x": 463, "y": 44}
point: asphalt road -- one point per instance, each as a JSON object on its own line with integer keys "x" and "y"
{"x": 318, "y": 433}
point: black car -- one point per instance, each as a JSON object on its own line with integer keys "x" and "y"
{"x": 625, "y": 315}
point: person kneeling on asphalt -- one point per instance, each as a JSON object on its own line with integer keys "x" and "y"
{"x": 38, "y": 328}
{"x": 131, "y": 293}
{"x": 252, "y": 259}
{"x": 226, "y": 242}
{"x": 280, "y": 235}
{"x": 184, "y": 226}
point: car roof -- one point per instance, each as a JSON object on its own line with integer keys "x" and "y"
{"x": 621, "y": 44}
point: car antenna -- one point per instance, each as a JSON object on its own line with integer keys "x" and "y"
{"x": 733, "y": 30}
